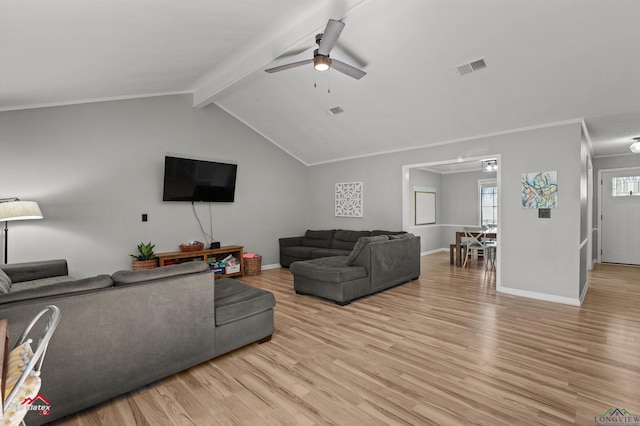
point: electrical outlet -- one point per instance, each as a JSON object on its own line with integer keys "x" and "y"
{"x": 144, "y": 217}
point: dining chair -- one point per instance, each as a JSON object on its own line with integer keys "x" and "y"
{"x": 475, "y": 243}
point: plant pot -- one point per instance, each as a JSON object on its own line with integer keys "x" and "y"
{"x": 137, "y": 265}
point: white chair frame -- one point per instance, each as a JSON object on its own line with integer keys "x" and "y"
{"x": 35, "y": 364}
{"x": 475, "y": 242}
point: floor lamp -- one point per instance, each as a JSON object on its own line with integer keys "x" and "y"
{"x": 14, "y": 209}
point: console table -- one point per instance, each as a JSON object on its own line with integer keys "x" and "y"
{"x": 176, "y": 257}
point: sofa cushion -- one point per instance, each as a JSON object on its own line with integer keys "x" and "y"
{"x": 377, "y": 232}
{"x": 318, "y": 238}
{"x": 43, "y": 282}
{"x": 346, "y": 240}
{"x": 235, "y": 300}
{"x": 29, "y": 271}
{"x": 330, "y": 252}
{"x": 361, "y": 244}
{"x": 5, "y": 282}
{"x": 131, "y": 277}
{"x": 299, "y": 251}
{"x": 35, "y": 289}
{"x": 328, "y": 269}
{"x": 403, "y": 236}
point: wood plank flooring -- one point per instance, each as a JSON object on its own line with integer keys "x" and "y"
{"x": 445, "y": 349}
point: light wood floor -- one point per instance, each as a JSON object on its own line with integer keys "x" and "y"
{"x": 445, "y": 349}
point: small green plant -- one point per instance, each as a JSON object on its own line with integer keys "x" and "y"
{"x": 145, "y": 252}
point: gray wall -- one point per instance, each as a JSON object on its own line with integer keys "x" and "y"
{"x": 430, "y": 235}
{"x": 457, "y": 205}
{"x": 461, "y": 204}
{"x": 538, "y": 257}
{"x": 95, "y": 168}
{"x": 382, "y": 193}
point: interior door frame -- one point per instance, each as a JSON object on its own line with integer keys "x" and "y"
{"x": 600, "y": 186}
{"x": 407, "y": 192}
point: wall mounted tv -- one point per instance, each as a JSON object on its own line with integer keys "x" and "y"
{"x": 197, "y": 180}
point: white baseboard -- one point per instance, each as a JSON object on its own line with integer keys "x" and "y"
{"x": 540, "y": 296}
{"x": 425, "y": 253}
{"x": 272, "y": 266}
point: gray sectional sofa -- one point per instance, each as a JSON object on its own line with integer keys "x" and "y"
{"x": 323, "y": 243}
{"x": 374, "y": 264}
{"x": 120, "y": 332}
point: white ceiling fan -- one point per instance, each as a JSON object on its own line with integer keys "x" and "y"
{"x": 321, "y": 60}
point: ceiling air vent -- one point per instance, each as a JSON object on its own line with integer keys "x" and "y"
{"x": 471, "y": 67}
{"x": 335, "y": 111}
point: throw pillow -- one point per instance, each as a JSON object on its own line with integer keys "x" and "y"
{"x": 361, "y": 244}
{"x": 5, "y": 282}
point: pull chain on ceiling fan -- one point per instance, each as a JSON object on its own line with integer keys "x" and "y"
{"x": 321, "y": 60}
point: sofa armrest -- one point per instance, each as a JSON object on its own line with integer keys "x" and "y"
{"x": 394, "y": 262}
{"x": 290, "y": 242}
{"x": 390, "y": 262}
{"x": 30, "y": 271}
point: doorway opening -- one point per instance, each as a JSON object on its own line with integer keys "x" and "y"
{"x": 457, "y": 188}
{"x": 619, "y": 216}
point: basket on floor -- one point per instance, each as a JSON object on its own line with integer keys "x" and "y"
{"x": 252, "y": 265}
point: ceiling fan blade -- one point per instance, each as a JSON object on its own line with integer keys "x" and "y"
{"x": 291, "y": 65}
{"x": 295, "y": 52}
{"x": 353, "y": 57}
{"x": 347, "y": 69}
{"x": 330, "y": 36}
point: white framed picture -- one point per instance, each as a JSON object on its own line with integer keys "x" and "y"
{"x": 349, "y": 199}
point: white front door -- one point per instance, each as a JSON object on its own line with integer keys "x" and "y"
{"x": 620, "y": 218}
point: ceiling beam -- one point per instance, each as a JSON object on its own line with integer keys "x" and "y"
{"x": 248, "y": 61}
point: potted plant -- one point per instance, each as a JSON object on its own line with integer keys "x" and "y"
{"x": 146, "y": 258}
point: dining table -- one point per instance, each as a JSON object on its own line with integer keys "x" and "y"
{"x": 490, "y": 233}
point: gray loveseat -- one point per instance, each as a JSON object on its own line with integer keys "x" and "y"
{"x": 375, "y": 264}
{"x": 120, "y": 332}
{"x": 324, "y": 243}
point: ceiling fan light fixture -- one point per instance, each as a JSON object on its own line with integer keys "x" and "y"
{"x": 321, "y": 62}
{"x": 635, "y": 147}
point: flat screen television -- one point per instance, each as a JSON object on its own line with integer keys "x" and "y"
{"x": 197, "y": 180}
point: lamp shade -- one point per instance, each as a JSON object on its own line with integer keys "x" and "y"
{"x": 19, "y": 210}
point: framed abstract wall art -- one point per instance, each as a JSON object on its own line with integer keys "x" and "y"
{"x": 540, "y": 190}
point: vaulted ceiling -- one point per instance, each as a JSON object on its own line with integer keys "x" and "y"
{"x": 548, "y": 61}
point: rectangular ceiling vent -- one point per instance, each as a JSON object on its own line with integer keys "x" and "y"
{"x": 335, "y": 111}
{"x": 471, "y": 67}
